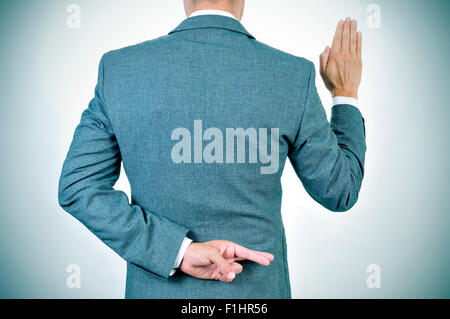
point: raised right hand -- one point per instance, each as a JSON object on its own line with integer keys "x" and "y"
{"x": 217, "y": 260}
{"x": 341, "y": 65}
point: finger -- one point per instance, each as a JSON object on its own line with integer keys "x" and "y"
{"x": 252, "y": 255}
{"x": 237, "y": 268}
{"x": 265, "y": 255}
{"x": 346, "y": 36}
{"x": 353, "y": 37}
{"x": 324, "y": 60}
{"x": 337, "y": 40}
{"x": 222, "y": 278}
{"x": 224, "y": 267}
{"x": 359, "y": 44}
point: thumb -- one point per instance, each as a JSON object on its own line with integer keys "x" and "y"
{"x": 224, "y": 267}
{"x": 324, "y": 60}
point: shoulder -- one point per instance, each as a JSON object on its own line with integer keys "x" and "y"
{"x": 284, "y": 57}
{"x": 136, "y": 52}
{"x": 298, "y": 68}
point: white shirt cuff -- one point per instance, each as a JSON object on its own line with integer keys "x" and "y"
{"x": 184, "y": 245}
{"x": 345, "y": 100}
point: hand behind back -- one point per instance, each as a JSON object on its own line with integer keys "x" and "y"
{"x": 217, "y": 260}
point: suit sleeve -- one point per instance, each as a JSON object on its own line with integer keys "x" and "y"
{"x": 89, "y": 173}
{"x": 329, "y": 158}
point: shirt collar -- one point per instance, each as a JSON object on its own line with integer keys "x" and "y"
{"x": 212, "y": 21}
{"x": 212, "y": 12}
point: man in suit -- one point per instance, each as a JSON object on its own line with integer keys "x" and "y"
{"x": 204, "y": 119}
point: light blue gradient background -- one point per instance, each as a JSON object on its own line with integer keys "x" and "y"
{"x": 48, "y": 74}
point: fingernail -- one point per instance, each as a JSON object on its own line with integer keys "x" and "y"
{"x": 231, "y": 275}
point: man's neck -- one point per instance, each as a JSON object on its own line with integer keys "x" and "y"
{"x": 221, "y": 6}
{"x": 214, "y": 12}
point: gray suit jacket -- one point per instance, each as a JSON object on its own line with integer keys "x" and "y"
{"x": 203, "y": 120}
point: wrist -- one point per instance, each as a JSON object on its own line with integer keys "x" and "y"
{"x": 344, "y": 93}
{"x": 187, "y": 242}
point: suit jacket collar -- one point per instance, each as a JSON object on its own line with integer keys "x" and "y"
{"x": 212, "y": 21}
